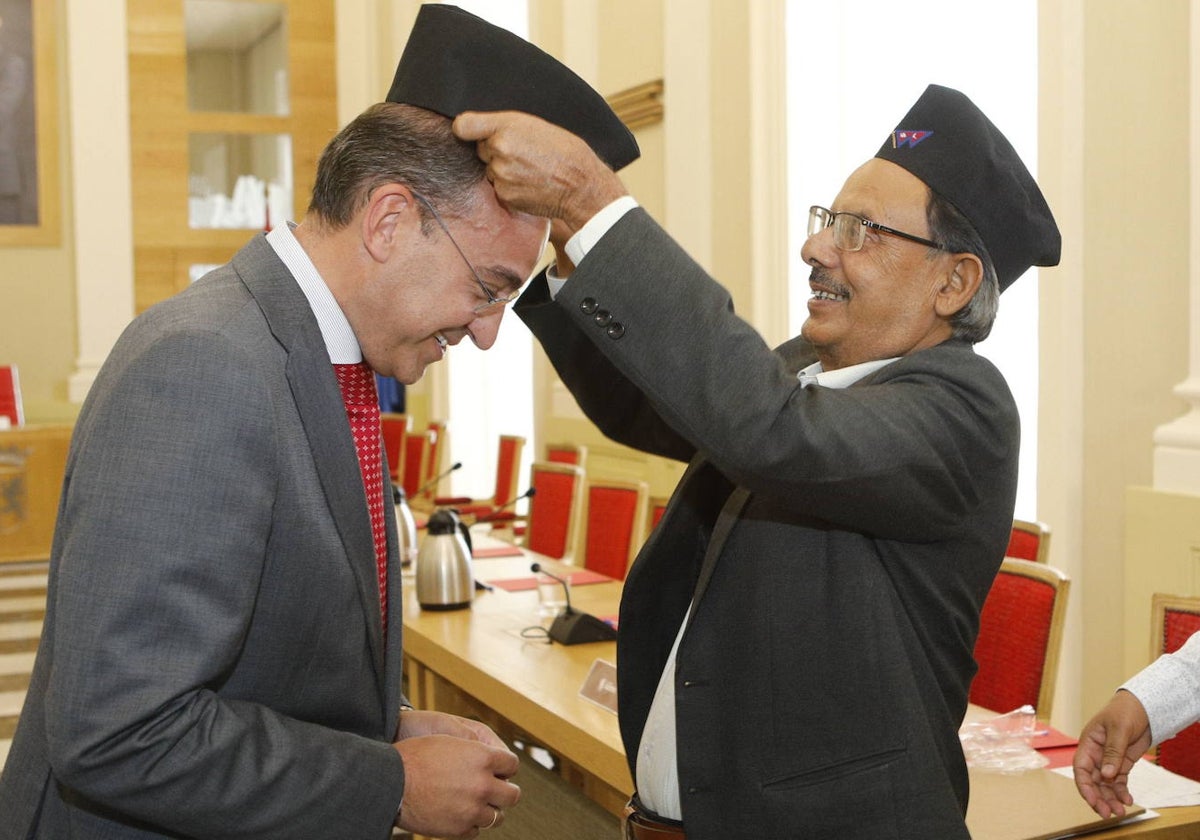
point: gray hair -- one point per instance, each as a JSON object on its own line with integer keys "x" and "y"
{"x": 948, "y": 226}
{"x": 393, "y": 143}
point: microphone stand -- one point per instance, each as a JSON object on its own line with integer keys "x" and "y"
{"x": 433, "y": 482}
{"x": 499, "y": 513}
{"x": 572, "y": 627}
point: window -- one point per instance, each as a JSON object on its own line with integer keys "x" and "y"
{"x": 491, "y": 394}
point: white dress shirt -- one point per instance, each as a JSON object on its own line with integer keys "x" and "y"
{"x": 339, "y": 337}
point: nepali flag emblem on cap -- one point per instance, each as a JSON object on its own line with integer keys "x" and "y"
{"x": 906, "y": 137}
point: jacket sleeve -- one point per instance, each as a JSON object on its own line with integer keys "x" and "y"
{"x": 610, "y": 400}
{"x": 901, "y": 455}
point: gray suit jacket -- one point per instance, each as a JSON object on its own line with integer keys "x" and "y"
{"x": 824, "y": 671}
{"x": 212, "y": 662}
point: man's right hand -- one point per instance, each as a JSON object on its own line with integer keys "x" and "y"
{"x": 1109, "y": 746}
{"x": 539, "y": 168}
{"x": 454, "y": 787}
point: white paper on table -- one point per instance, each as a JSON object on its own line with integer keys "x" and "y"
{"x": 1154, "y": 787}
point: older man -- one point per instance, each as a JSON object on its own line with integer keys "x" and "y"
{"x": 222, "y": 644}
{"x": 796, "y": 637}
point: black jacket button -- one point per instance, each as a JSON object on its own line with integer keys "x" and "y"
{"x": 588, "y": 305}
{"x": 602, "y": 317}
{"x": 615, "y": 330}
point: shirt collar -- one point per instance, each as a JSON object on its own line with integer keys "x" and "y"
{"x": 340, "y": 341}
{"x": 815, "y": 374}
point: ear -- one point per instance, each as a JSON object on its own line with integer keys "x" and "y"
{"x": 389, "y": 209}
{"x": 959, "y": 284}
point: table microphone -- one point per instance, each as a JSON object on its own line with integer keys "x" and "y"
{"x": 572, "y": 627}
{"x": 433, "y": 481}
{"x": 496, "y": 513}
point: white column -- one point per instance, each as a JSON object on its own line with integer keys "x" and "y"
{"x": 687, "y": 125}
{"x": 1177, "y": 444}
{"x": 768, "y": 168}
{"x": 98, "y": 85}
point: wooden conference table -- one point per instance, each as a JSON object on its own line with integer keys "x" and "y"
{"x": 475, "y": 662}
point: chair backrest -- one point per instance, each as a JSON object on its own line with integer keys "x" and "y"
{"x": 657, "y": 507}
{"x": 1020, "y": 636}
{"x": 567, "y": 453}
{"x": 616, "y": 524}
{"x": 416, "y": 465}
{"x": 508, "y": 468}
{"x": 437, "y": 447}
{"x": 10, "y": 396}
{"x": 1176, "y": 619}
{"x": 1029, "y": 541}
{"x": 555, "y": 509}
{"x": 394, "y": 428}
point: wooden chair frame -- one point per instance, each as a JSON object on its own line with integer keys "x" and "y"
{"x": 413, "y": 482}
{"x": 653, "y": 503}
{"x": 439, "y": 449}
{"x": 641, "y": 509}
{"x": 1039, "y": 530}
{"x": 567, "y": 453}
{"x": 1058, "y": 615}
{"x": 571, "y": 550}
{"x": 1160, "y": 604}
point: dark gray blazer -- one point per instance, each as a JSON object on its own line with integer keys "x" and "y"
{"x": 212, "y": 662}
{"x": 824, "y": 672}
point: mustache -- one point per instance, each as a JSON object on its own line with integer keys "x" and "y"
{"x": 820, "y": 277}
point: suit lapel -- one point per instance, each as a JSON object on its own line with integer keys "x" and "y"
{"x": 319, "y": 403}
{"x": 726, "y": 519}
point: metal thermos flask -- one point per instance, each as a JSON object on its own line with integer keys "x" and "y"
{"x": 445, "y": 580}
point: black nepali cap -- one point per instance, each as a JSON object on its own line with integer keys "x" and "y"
{"x": 455, "y": 62}
{"x": 947, "y": 142}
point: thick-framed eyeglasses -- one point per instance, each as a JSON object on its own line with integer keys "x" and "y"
{"x": 850, "y": 229}
{"x": 494, "y": 303}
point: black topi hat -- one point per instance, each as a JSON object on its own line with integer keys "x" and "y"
{"x": 455, "y": 62}
{"x": 947, "y": 142}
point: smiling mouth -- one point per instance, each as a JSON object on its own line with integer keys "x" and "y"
{"x": 825, "y": 294}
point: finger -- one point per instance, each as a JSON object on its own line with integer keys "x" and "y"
{"x": 1114, "y": 754}
{"x": 475, "y": 125}
{"x": 497, "y": 819}
{"x": 503, "y": 763}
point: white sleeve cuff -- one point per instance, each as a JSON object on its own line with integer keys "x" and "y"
{"x": 587, "y": 236}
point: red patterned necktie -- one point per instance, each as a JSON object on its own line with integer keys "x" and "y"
{"x": 362, "y": 409}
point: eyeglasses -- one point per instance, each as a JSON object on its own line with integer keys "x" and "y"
{"x": 493, "y": 303}
{"x": 850, "y": 229}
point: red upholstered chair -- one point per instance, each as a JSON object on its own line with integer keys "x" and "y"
{"x": 10, "y": 396}
{"x": 508, "y": 468}
{"x": 438, "y": 447}
{"x": 567, "y": 453}
{"x": 416, "y": 468}
{"x": 616, "y": 524}
{"x": 395, "y": 429}
{"x": 1020, "y": 636}
{"x": 1029, "y": 541}
{"x": 1176, "y": 619}
{"x": 555, "y": 509}
{"x": 658, "y": 506}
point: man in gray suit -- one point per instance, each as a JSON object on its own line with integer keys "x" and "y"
{"x": 796, "y": 637}
{"x": 221, "y": 653}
